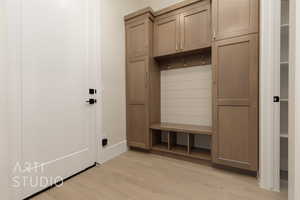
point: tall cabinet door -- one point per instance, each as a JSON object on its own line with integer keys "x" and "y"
{"x": 137, "y": 81}
{"x": 137, "y": 101}
{"x": 196, "y": 28}
{"x": 235, "y": 64}
{"x": 233, "y": 18}
{"x": 166, "y": 35}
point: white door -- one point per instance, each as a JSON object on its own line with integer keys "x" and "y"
{"x": 57, "y": 124}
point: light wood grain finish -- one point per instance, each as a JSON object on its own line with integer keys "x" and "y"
{"x": 233, "y": 18}
{"x": 183, "y": 128}
{"x": 137, "y": 81}
{"x": 166, "y": 35}
{"x": 200, "y": 58}
{"x": 138, "y": 126}
{"x": 235, "y": 141}
{"x": 137, "y": 39}
{"x": 137, "y": 176}
{"x": 175, "y": 7}
{"x": 142, "y": 79}
{"x": 196, "y": 28}
{"x": 183, "y": 30}
{"x": 141, "y": 12}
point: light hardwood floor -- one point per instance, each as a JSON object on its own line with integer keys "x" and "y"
{"x": 136, "y": 176}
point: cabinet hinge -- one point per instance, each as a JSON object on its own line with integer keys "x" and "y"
{"x": 214, "y": 35}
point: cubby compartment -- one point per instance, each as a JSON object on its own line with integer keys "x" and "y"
{"x": 178, "y": 143}
{"x": 159, "y": 140}
{"x": 185, "y": 140}
{"x": 199, "y": 146}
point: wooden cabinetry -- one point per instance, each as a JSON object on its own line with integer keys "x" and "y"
{"x": 137, "y": 81}
{"x": 233, "y": 18}
{"x": 236, "y": 102}
{"x": 137, "y": 126}
{"x": 166, "y": 31}
{"x": 183, "y": 30}
{"x": 180, "y": 31}
{"x": 137, "y": 42}
{"x": 195, "y": 28}
{"x": 140, "y": 74}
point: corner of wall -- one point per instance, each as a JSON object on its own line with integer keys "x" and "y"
{"x": 112, "y": 151}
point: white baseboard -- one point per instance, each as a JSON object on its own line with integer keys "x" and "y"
{"x": 113, "y": 151}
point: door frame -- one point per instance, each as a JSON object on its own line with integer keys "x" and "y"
{"x": 269, "y": 148}
{"x": 294, "y": 96}
{"x": 13, "y": 10}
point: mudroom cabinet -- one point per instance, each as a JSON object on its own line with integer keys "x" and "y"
{"x": 140, "y": 68}
{"x": 192, "y": 81}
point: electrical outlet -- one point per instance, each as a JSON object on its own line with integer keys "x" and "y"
{"x": 104, "y": 142}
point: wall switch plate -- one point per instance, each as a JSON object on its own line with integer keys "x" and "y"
{"x": 92, "y": 91}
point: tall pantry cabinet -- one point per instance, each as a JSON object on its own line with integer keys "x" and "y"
{"x": 235, "y": 65}
{"x": 142, "y": 79}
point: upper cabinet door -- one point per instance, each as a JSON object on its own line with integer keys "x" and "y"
{"x": 233, "y": 18}
{"x": 166, "y": 35}
{"x": 137, "y": 39}
{"x": 196, "y": 28}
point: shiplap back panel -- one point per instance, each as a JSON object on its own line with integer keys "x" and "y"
{"x": 186, "y": 95}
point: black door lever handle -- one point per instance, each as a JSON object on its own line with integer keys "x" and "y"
{"x": 92, "y": 101}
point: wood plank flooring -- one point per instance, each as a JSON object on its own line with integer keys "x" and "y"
{"x": 143, "y": 176}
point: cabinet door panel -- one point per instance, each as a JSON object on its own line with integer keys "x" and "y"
{"x": 233, "y": 73}
{"x": 137, "y": 131}
{"x": 166, "y": 35}
{"x": 137, "y": 81}
{"x": 196, "y": 29}
{"x": 235, "y": 64}
{"x": 233, "y": 130}
{"x": 137, "y": 42}
{"x": 234, "y": 18}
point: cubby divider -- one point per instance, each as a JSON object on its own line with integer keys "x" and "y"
{"x": 157, "y": 140}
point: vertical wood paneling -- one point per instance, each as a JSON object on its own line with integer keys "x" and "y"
{"x": 186, "y": 96}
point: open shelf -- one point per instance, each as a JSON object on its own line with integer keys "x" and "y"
{"x": 284, "y": 87}
{"x": 160, "y": 146}
{"x": 203, "y": 154}
{"x": 176, "y": 139}
{"x": 183, "y": 128}
{"x": 179, "y": 149}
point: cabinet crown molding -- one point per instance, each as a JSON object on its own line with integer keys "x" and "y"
{"x": 178, "y": 6}
{"x": 147, "y": 10}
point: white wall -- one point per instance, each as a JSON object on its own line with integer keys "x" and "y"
{"x": 3, "y": 114}
{"x": 294, "y": 125}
